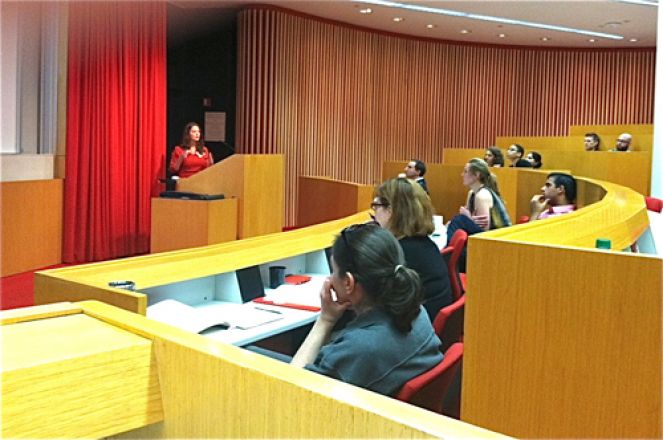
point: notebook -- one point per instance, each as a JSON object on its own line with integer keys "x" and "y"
{"x": 201, "y": 318}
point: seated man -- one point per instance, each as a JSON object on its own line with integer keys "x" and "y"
{"x": 557, "y": 198}
{"x": 592, "y": 142}
{"x": 623, "y": 142}
{"x": 415, "y": 170}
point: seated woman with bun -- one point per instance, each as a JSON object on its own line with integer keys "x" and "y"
{"x": 406, "y": 211}
{"x": 391, "y": 340}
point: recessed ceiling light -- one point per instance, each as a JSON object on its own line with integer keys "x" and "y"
{"x": 633, "y": 40}
{"x": 366, "y": 11}
{"x": 465, "y": 31}
{"x": 545, "y": 39}
{"x": 591, "y": 40}
{"x": 501, "y": 35}
{"x": 398, "y": 19}
{"x": 489, "y": 18}
{"x": 641, "y": 2}
{"x": 430, "y": 26}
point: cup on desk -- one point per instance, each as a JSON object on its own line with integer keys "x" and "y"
{"x": 438, "y": 223}
{"x": 276, "y": 276}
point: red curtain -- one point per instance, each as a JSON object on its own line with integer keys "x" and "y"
{"x": 116, "y": 127}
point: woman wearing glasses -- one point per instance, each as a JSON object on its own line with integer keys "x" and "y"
{"x": 391, "y": 339}
{"x": 406, "y": 211}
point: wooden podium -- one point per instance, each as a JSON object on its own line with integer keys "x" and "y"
{"x": 182, "y": 224}
{"x": 255, "y": 180}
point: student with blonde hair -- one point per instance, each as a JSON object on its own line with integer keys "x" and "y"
{"x": 485, "y": 208}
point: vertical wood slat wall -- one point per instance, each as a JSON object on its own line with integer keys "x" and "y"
{"x": 339, "y": 101}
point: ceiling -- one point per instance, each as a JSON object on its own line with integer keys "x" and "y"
{"x": 632, "y": 21}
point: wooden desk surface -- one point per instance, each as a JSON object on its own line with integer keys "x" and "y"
{"x": 90, "y": 281}
{"x": 207, "y": 389}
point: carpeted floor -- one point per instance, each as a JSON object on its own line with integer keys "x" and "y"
{"x": 18, "y": 290}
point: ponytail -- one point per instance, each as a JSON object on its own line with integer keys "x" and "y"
{"x": 375, "y": 259}
{"x": 488, "y": 179}
{"x": 402, "y": 297}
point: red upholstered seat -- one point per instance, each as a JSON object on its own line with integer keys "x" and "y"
{"x": 448, "y": 323}
{"x": 451, "y": 254}
{"x": 654, "y": 204}
{"x": 428, "y": 389}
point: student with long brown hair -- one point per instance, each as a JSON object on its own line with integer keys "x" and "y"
{"x": 191, "y": 156}
{"x": 402, "y": 207}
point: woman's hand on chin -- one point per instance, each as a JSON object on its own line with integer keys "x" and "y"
{"x": 330, "y": 310}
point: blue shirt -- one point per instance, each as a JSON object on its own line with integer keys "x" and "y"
{"x": 371, "y": 353}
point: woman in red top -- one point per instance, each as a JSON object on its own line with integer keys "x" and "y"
{"x": 192, "y": 156}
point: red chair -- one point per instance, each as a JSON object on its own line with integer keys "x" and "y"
{"x": 428, "y": 389}
{"x": 654, "y": 204}
{"x": 448, "y": 323}
{"x": 451, "y": 254}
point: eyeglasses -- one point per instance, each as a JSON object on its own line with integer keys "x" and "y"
{"x": 375, "y": 205}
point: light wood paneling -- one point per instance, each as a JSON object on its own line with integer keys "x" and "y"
{"x": 632, "y": 170}
{"x": 181, "y": 224}
{"x": 255, "y": 180}
{"x": 73, "y": 376}
{"x": 321, "y": 199}
{"x": 640, "y": 142}
{"x": 562, "y": 342}
{"x": 614, "y": 129}
{"x": 340, "y": 101}
{"x": 106, "y": 372}
{"x": 31, "y": 218}
{"x": 214, "y": 390}
{"x": 538, "y": 143}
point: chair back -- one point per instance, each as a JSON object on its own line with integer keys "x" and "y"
{"x": 428, "y": 389}
{"x": 654, "y": 204}
{"x": 451, "y": 254}
{"x": 448, "y": 323}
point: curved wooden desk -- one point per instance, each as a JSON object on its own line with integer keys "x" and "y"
{"x": 90, "y": 281}
{"x": 92, "y": 370}
{"x": 563, "y": 340}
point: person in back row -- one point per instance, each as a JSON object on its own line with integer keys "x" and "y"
{"x": 403, "y": 208}
{"x": 516, "y": 154}
{"x": 391, "y": 340}
{"x": 592, "y": 142}
{"x": 415, "y": 170}
{"x": 494, "y": 157}
{"x": 623, "y": 142}
{"x": 557, "y": 197}
{"x": 534, "y": 158}
{"x": 484, "y": 209}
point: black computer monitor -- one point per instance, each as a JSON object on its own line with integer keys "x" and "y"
{"x": 250, "y": 283}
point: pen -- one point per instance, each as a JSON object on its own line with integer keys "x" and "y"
{"x": 267, "y": 310}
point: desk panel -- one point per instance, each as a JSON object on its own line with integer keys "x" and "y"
{"x": 203, "y": 388}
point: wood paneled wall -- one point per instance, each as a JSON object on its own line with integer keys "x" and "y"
{"x": 339, "y": 101}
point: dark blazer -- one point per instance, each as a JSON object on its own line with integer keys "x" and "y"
{"x": 423, "y": 256}
{"x": 421, "y": 181}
